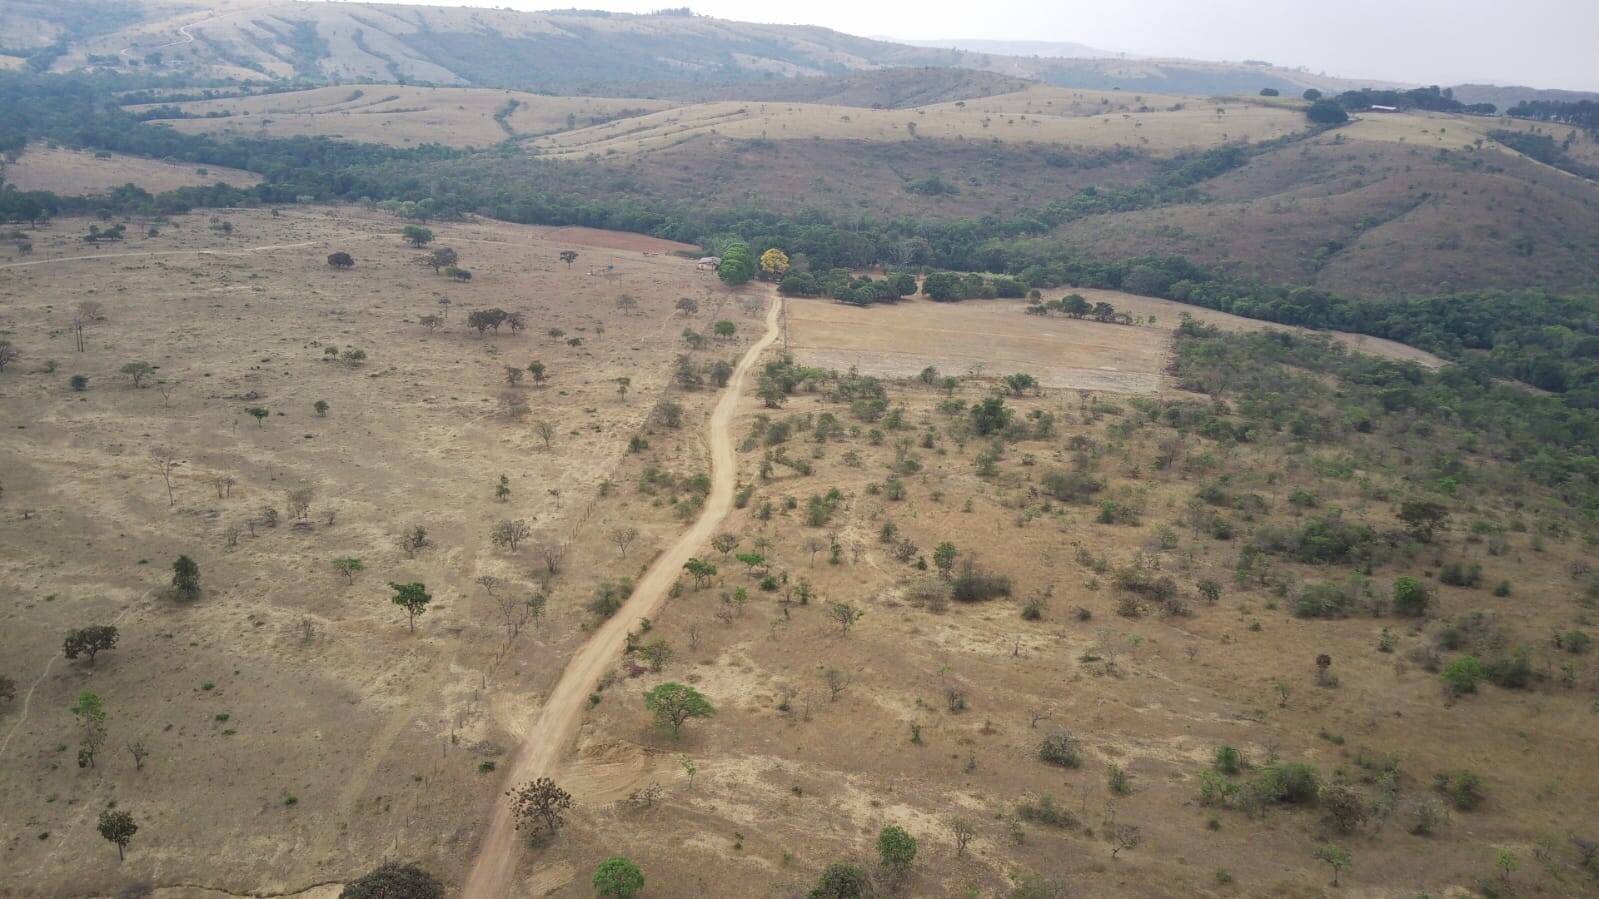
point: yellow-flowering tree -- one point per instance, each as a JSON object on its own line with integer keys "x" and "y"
{"x": 774, "y": 263}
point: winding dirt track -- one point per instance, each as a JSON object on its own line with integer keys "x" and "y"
{"x": 495, "y": 866}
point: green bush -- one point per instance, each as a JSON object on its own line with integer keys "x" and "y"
{"x": 618, "y": 877}
{"x": 1461, "y": 675}
{"x": 1575, "y": 642}
{"x": 1045, "y": 810}
{"x": 842, "y": 881}
{"x": 1324, "y": 601}
{"x": 974, "y": 584}
{"x": 1228, "y": 760}
{"x": 1295, "y": 783}
{"x": 394, "y": 881}
{"x": 1460, "y": 574}
{"x": 1410, "y": 597}
{"x": 1463, "y": 787}
{"x": 1059, "y": 747}
{"x": 896, "y": 850}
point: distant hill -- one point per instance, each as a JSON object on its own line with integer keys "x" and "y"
{"x": 595, "y": 52}
{"x": 569, "y": 51}
{"x": 1506, "y": 97}
{"x": 1065, "y": 49}
{"x": 897, "y": 88}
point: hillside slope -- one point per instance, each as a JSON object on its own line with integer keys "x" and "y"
{"x": 566, "y": 50}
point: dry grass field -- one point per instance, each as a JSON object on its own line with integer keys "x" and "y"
{"x": 1034, "y": 115}
{"x": 575, "y": 127}
{"x": 997, "y": 337}
{"x": 81, "y": 172}
{"x": 401, "y": 115}
{"x": 298, "y": 731}
{"x": 929, "y": 712}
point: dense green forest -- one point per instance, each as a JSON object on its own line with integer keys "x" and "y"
{"x": 1431, "y": 98}
{"x": 1583, "y": 114}
{"x": 1548, "y": 341}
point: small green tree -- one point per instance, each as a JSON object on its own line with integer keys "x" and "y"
{"x": 89, "y": 709}
{"x": 118, "y": 827}
{"x": 442, "y": 257}
{"x": 944, "y": 558}
{"x": 89, "y": 641}
{"x": 321, "y": 408}
{"x": 1333, "y": 857}
{"x": 502, "y": 490}
{"x": 349, "y": 566}
{"x": 724, "y": 330}
{"x": 1506, "y": 862}
{"x": 412, "y": 597}
{"x": 1461, "y": 675}
{"x": 258, "y": 413}
{"x": 673, "y": 704}
{"x": 1410, "y": 597}
{"x": 844, "y": 615}
{"x": 1422, "y": 518}
{"x": 416, "y": 235}
{"x": 896, "y": 850}
{"x": 701, "y": 571}
{"x": 137, "y": 372}
{"x": 186, "y": 577}
{"x": 538, "y": 371}
{"x": 618, "y": 877}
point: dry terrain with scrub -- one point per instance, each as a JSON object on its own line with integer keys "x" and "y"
{"x": 288, "y": 711}
{"x": 1188, "y": 627}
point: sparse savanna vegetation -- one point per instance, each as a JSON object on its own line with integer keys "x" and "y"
{"x": 906, "y": 482}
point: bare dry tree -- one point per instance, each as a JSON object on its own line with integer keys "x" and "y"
{"x": 86, "y": 313}
{"x": 553, "y": 554}
{"x": 299, "y": 502}
{"x": 514, "y": 405}
{"x": 623, "y": 537}
{"x": 488, "y": 582}
{"x": 837, "y": 682}
{"x": 223, "y": 483}
{"x": 545, "y": 430}
{"x": 166, "y": 459}
{"x": 509, "y": 533}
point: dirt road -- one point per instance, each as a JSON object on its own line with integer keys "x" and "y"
{"x": 492, "y": 871}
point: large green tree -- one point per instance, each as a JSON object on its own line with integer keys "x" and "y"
{"x": 737, "y": 266}
{"x": 673, "y": 704}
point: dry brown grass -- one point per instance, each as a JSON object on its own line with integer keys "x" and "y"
{"x": 401, "y": 115}
{"x": 1035, "y": 115}
{"x": 790, "y": 779}
{"x": 80, "y": 172}
{"x": 375, "y": 732}
{"x": 997, "y": 337}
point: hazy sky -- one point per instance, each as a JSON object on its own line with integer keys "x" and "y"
{"x": 1544, "y": 43}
